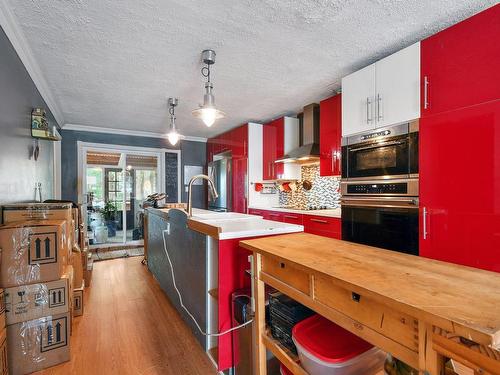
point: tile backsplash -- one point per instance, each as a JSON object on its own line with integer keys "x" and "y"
{"x": 325, "y": 191}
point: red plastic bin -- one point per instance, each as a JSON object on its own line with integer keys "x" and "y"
{"x": 284, "y": 370}
{"x": 327, "y": 349}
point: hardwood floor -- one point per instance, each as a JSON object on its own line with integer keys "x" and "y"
{"x": 130, "y": 327}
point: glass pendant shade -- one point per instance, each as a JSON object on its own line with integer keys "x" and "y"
{"x": 173, "y": 137}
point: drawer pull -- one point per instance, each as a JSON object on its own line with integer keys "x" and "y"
{"x": 282, "y": 265}
{"x": 291, "y": 217}
{"x": 355, "y": 297}
{"x": 274, "y": 215}
{"x": 320, "y": 221}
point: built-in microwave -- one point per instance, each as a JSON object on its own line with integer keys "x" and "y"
{"x": 390, "y": 152}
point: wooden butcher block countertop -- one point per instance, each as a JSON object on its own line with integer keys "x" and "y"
{"x": 460, "y": 299}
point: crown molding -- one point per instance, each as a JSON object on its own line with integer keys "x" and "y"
{"x": 21, "y": 46}
{"x": 135, "y": 133}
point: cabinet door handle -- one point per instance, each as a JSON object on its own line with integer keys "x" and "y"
{"x": 268, "y": 169}
{"x": 426, "y": 92}
{"x": 320, "y": 221}
{"x": 368, "y": 119}
{"x": 290, "y": 217}
{"x": 379, "y": 112}
{"x": 424, "y": 222}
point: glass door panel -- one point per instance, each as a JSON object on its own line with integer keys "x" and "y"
{"x": 141, "y": 180}
{"x": 117, "y": 183}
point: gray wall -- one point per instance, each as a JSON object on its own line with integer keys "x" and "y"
{"x": 18, "y": 95}
{"x": 192, "y": 153}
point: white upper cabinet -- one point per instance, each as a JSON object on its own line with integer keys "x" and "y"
{"x": 384, "y": 93}
{"x": 358, "y": 91}
{"x": 398, "y": 87}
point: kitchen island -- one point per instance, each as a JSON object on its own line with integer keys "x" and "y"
{"x": 420, "y": 310}
{"x": 209, "y": 266}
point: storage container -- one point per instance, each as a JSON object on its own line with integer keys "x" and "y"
{"x": 284, "y": 370}
{"x": 325, "y": 348}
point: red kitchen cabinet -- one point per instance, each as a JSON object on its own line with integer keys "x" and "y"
{"x": 292, "y": 218}
{"x": 330, "y": 131}
{"x": 273, "y": 148}
{"x": 460, "y": 186}
{"x": 323, "y": 226}
{"x": 217, "y": 145}
{"x": 253, "y": 211}
{"x": 273, "y": 215}
{"x": 460, "y": 65}
{"x": 210, "y": 150}
{"x": 225, "y": 141}
{"x": 239, "y": 141}
{"x": 239, "y": 193}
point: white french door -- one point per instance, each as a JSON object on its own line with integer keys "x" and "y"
{"x": 114, "y": 181}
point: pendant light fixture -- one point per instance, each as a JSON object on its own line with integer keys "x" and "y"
{"x": 173, "y": 136}
{"x": 207, "y": 112}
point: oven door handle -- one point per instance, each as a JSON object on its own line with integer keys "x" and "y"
{"x": 380, "y": 202}
{"x": 383, "y": 144}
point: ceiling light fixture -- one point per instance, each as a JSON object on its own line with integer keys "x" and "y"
{"x": 207, "y": 112}
{"x": 173, "y": 136}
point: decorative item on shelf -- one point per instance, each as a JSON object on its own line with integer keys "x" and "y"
{"x": 173, "y": 135}
{"x": 40, "y": 127}
{"x": 265, "y": 187}
{"x": 208, "y": 112}
{"x": 306, "y": 185}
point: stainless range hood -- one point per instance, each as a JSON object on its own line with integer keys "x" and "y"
{"x": 308, "y": 151}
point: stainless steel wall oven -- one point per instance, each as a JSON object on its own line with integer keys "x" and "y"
{"x": 379, "y": 188}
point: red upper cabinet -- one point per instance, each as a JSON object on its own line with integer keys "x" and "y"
{"x": 460, "y": 186}
{"x": 210, "y": 150}
{"x": 460, "y": 65}
{"x": 273, "y": 148}
{"x": 239, "y": 188}
{"x": 239, "y": 141}
{"x": 330, "y": 131}
{"x": 217, "y": 145}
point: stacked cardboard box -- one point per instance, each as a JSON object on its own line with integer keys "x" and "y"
{"x": 4, "y": 368}
{"x": 42, "y": 211}
{"x": 37, "y": 278}
{"x": 78, "y": 300}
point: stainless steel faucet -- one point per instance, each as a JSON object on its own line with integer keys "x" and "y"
{"x": 190, "y": 188}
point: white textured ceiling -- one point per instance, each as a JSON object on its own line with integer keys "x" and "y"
{"x": 114, "y": 63}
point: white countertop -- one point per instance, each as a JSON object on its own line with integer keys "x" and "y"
{"x": 334, "y": 212}
{"x": 230, "y": 225}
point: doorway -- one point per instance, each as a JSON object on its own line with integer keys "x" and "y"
{"x": 114, "y": 181}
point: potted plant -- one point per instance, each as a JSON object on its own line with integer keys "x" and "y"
{"x": 108, "y": 213}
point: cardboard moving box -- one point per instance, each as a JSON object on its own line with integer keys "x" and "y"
{"x": 4, "y": 364}
{"x": 2, "y": 309}
{"x": 42, "y": 211}
{"x": 33, "y": 301}
{"x": 37, "y": 344}
{"x": 77, "y": 262}
{"x": 32, "y": 252}
{"x": 78, "y": 301}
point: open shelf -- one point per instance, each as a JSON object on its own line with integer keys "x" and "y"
{"x": 285, "y": 356}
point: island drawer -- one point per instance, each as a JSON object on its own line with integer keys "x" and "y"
{"x": 287, "y": 273}
{"x": 364, "y": 309}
